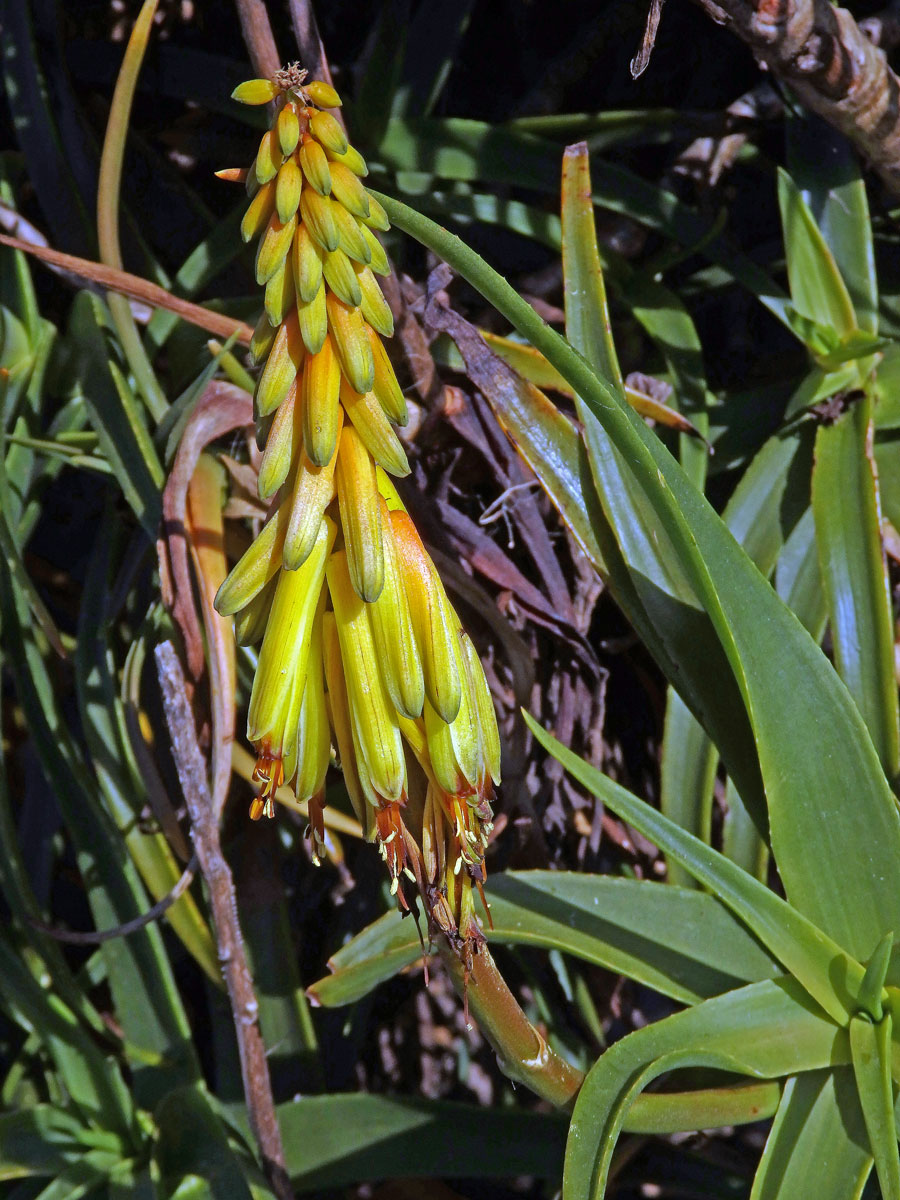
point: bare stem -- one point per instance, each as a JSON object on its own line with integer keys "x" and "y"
{"x": 523, "y": 1052}
{"x": 205, "y": 833}
{"x": 258, "y": 37}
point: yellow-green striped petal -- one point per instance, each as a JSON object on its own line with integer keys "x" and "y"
{"x": 268, "y": 157}
{"x": 256, "y": 567}
{"x": 351, "y": 341}
{"x": 259, "y": 210}
{"x": 280, "y": 294}
{"x": 318, "y": 216}
{"x": 435, "y": 638}
{"x": 347, "y": 190}
{"x": 281, "y": 670}
{"x": 322, "y": 93}
{"x": 288, "y": 129}
{"x": 360, "y": 509}
{"x": 373, "y": 304}
{"x": 284, "y": 361}
{"x": 328, "y": 131}
{"x": 273, "y": 247}
{"x": 375, "y": 430}
{"x": 385, "y": 385}
{"x": 379, "y": 260}
{"x": 372, "y": 715}
{"x": 288, "y": 186}
{"x": 351, "y": 237}
{"x": 320, "y": 400}
{"x": 282, "y": 444}
{"x": 313, "y": 319}
{"x": 315, "y": 166}
{"x": 393, "y": 633}
{"x": 307, "y": 257}
{"x": 341, "y": 278}
{"x": 255, "y": 91}
{"x": 313, "y": 492}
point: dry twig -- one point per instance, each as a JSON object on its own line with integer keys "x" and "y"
{"x": 258, "y": 37}
{"x": 205, "y": 834}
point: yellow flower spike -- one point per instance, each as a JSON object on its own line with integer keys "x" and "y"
{"x": 341, "y": 278}
{"x": 379, "y": 260}
{"x": 259, "y": 210}
{"x": 350, "y": 236}
{"x": 351, "y": 159}
{"x": 373, "y": 304}
{"x": 268, "y": 157}
{"x": 255, "y": 91}
{"x": 348, "y": 191}
{"x": 376, "y": 218}
{"x": 339, "y": 715}
{"x": 360, "y": 510}
{"x": 328, "y": 131}
{"x": 315, "y": 166}
{"x": 307, "y": 765}
{"x": 385, "y": 385}
{"x": 273, "y": 247}
{"x": 351, "y": 341}
{"x": 280, "y": 294}
{"x": 318, "y": 216}
{"x": 250, "y": 622}
{"x": 288, "y": 186}
{"x": 394, "y": 639}
{"x": 281, "y": 671}
{"x": 307, "y": 260}
{"x": 375, "y": 430}
{"x": 487, "y": 716}
{"x": 319, "y": 394}
{"x": 372, "y": 715}
{"x": 262, "y": 340}
{"x": 287, "y": 127}
{"x": 254, "y": 570}
{"x": 313, "y": 492}
{"x": 284, "y": 361}
{"x": 281, "y": 445}
{"x": 322, "y": 94}
{"x": 434, "y": 638}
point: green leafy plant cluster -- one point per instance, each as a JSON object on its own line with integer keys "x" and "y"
{"x": 774, "y": 935}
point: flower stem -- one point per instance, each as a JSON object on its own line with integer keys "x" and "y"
{"x": 524, "y": 1053}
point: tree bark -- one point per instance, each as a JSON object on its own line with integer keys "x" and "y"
{"x": 833, "y": 68}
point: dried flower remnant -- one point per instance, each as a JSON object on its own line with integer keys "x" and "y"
{"x": 362, "y": 655}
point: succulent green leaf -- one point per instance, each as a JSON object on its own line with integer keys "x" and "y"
{"x": 854, "y": 573}
{"x": 817, "y": 290}
{"x": 681, "y": 942}
{"x": 817, "y": 1145}
{"x": 870, "y": 1047}
{"x": 766, "y": 1030}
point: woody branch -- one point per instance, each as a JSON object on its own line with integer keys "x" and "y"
{"x": 834, "y": 69}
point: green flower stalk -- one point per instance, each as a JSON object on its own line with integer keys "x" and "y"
{"x": 362, "y": 655}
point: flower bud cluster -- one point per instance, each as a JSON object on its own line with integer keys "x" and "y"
{"x": 362, "y": 655}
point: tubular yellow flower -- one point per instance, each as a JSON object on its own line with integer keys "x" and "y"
{"x": 372, "y": 715}
{"x": 281, "y": 672}
{"x": 360, "y": 646}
